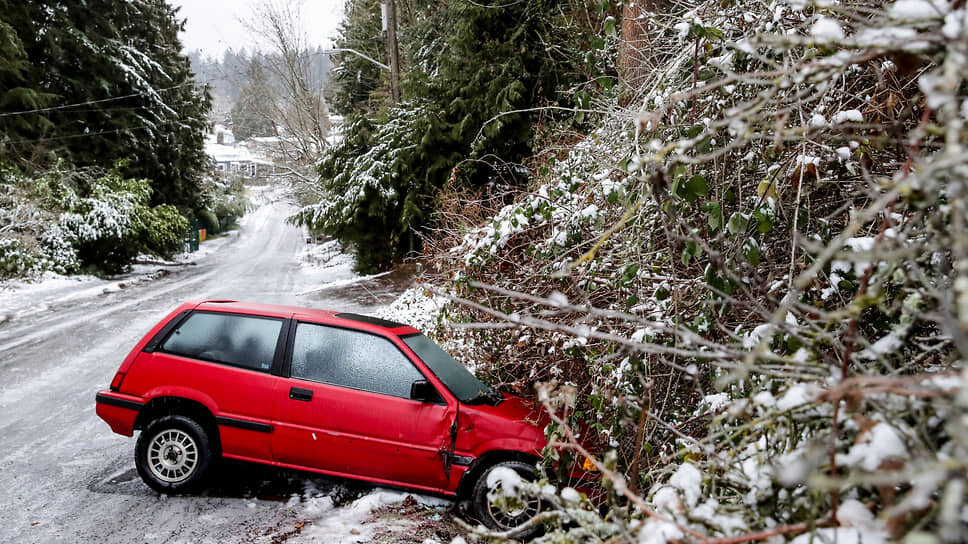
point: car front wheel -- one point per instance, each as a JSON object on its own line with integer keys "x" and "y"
{"x": 498, "y": 507}
{"x": 173, "y": 454}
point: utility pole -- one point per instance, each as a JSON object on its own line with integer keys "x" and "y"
{"x": 390, "y": 26}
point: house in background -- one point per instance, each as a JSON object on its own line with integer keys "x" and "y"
{"x": 236, "y": 158}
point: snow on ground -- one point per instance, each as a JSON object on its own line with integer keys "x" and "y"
{"x": 359, "y": 521}
{"x": 417, "y": 307}
{"x": 325, "y": 266}
{"x": 21, "y": 298}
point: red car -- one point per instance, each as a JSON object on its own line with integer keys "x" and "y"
{"x": 334, "y": 393}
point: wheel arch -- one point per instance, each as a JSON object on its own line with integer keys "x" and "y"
{"x": 486, "y": 461}
{"x": 169, "y": 405}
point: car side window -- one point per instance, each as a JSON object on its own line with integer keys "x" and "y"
{"x": 238, "y": 340}
{"x": 351, "y": 359}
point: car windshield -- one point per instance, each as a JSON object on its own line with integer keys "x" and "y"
{"x": 464, "y": 385}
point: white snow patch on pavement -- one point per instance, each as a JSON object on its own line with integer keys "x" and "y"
{"x": 347, "y": 524}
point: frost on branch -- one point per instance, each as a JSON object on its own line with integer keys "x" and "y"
{"x": 753, "y": 279}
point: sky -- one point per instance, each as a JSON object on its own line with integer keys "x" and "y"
{"x": 215, "y": 25}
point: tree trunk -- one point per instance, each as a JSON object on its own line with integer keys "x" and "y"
{"x": 635, "y": 61}
{"x": 393, "y": 51}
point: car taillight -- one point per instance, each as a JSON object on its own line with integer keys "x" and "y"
{"x": 116, "y": 382}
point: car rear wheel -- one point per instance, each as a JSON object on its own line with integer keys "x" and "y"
{"x": 509, "y": 512}
{"x": 173, "y": 454}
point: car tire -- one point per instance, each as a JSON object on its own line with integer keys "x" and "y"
{"x": 494, "y": 516}
{"x": 173, "y": 454}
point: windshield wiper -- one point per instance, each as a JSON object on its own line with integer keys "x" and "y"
{"x": 489, "y": 396}
{"x": 495, "y": 396}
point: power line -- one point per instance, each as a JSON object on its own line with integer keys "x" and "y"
{"x": 89, "y": 134}
{"x": 101, "y": 101}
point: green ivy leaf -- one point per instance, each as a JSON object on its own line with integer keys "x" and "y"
{"x": 631, "y": 271}
{"x": 751, "y": 253}
{"x": 691, "y": 250}
{"x": 610, "y": 27}
{"x": 717, "y": 281}
{"x": 737, "y": 223}
{"x": 697, "y": 185}
{"x": 705, "y": 145}
{"x": 712, "y": 34}
{"x": 764, "y": 221}
{"x": 715, "y": 212}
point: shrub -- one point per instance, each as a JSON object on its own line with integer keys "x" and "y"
{"x": 164, "y": 231}
{"x": 67, "y": 220}
{"x": 16, "y": 260}
{"x": 750, "y": 287}
{"x": 208, "y": 221}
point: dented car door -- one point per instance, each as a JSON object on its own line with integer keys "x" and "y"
{"x": 346, "y": 408}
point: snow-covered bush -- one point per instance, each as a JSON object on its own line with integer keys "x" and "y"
{"x": 224, "y": 197}
{"x": 16, "y": 260}
{"x": 163, "y": 231}
{"x": 68, "y": 219}
{"x": 751, "y": 284}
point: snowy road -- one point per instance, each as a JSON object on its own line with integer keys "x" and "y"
{"x": 65, "y": 477}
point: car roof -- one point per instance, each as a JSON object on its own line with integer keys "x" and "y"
{"x": 343, "y": 319}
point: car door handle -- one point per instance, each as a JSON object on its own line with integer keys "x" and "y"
{"x": 297, "y": 393}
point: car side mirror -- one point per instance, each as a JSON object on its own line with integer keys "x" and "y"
{"x": 424, "y": 391}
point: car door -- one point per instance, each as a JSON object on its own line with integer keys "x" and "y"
{"x": 346, "y": 408}
{"x": 223, "y": 360}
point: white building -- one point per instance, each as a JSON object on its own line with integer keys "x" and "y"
{"x": 233, "y": 158}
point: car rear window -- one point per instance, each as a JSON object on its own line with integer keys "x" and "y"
{"x": 238, "y": 340}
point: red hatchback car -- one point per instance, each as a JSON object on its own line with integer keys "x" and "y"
{"x": 334, "y": 393}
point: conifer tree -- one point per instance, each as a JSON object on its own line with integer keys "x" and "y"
{"x": 111, "y": 85}
{"x": 471, "y": 74}
{"x": 252, "y": 111}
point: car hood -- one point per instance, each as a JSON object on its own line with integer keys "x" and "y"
{"x": 514, "y": 418}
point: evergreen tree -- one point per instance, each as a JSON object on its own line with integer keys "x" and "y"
{"x": 467, "y": 67}
{"x": 252, "y": 113}
{"x": 116, "y": 86}
{"x": 355, "y": 80}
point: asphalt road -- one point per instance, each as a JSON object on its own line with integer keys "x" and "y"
{"x": 65, "y": 477}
